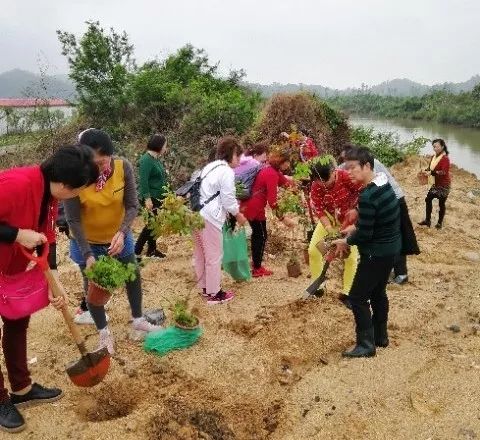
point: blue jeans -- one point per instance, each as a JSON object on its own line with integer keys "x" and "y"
{"x": 101, "y": 249}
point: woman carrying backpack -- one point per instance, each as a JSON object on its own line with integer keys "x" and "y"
{"x": 265, "y": 191}
{"x": 217, "y": 199}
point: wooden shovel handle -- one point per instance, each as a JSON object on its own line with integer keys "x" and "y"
{"x": 58, "y": 291}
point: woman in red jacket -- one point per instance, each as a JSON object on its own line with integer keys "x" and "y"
{"x": 264, "y": 191}
{"x": 28, "y": 210}
{"x": 439, "y": 175}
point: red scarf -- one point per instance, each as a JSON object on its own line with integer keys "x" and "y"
{"x": 102, "y": 178}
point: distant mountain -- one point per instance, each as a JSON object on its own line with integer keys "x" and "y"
{"x": 20, "y": 83}
{"x": 395, "y": 87}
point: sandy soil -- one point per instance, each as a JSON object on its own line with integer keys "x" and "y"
{"x": 268, "y": 365}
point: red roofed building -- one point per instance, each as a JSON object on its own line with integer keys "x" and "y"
{"x": 16, "y": 114}
{"x": 32, "y": 102}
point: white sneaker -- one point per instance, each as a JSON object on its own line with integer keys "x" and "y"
{"x": 106, "y": 340}
{"x": 142, "y": 325}
{"x": 84, "y": 317}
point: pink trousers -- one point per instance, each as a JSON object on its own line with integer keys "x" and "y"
{"x": 207, "y": 257}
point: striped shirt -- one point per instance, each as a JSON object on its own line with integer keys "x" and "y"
{"x": 378, "y": 227}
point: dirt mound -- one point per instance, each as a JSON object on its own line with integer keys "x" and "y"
{"x": 312, "y": 117}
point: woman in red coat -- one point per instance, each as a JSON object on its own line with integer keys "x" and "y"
{"x": 264, "y": 191}
{"x": 439, "y": 174}
{"x": 28, "y": 210}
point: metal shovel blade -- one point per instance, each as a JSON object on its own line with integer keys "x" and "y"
{"x": 90, "y": 369}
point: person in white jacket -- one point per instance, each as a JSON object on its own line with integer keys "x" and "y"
{"x": 217, "y": 194}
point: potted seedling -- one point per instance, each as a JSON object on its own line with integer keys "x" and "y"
{"x": 106, "y": 275}
{"x": 183, "y": 318}
{"x": 294, "y": 269}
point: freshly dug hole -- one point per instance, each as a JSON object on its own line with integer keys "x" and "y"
{"x": 111, "y": 402}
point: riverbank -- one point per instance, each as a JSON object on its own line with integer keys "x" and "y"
{"x": 461, "y": 109}
{"x": 463, "y": 143}
{"x": 268, "y": 365}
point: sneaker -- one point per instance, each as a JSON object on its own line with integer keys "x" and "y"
{"x": 400, "y": 279}
{"x": 425, "y": 223}
{"x": 257, "y": 273}
{"x": 84, "y": 317}
{"x": 10, "y": 418}
{"x": 36, "y": 395}
{"x": 261, "y": 272}
{"x": 220, "y": 298}
{"x": 106, "y": 340}
{"x": 155, "y": 254}
{"x": 266, "y": 272}
{"x": 142, "y": 325}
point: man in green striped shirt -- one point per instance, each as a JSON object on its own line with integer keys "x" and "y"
{"x": 377, "y": 235}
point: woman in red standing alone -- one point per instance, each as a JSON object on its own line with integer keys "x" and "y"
{"x": 439, "y": 175}
{"x": 265, "y": 191}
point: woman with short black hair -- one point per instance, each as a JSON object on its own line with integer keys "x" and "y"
{"x": 28, "y": 209}
{"x": 100, "y": 220}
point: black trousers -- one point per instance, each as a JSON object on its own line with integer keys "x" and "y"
{"x": 146, "y": 235}
{"x": 258, "y": 240}
{"x": 442, "y": 199}
{"x": 369, "y": 285}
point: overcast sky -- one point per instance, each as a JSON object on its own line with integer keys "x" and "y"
{"x": 336, "y": 43}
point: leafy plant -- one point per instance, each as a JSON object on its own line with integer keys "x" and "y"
{"x": 173, "y": 218}
{"x": 110, "y": 273}
{"x": 293, "y": 259}
{"x": 302, "y": 171}
{"x": 289, "y": 202}
{"x": 386, "y": 146}
{"x": 182, "y": 316}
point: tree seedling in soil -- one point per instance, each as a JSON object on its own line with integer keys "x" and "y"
{"x": 110, "y": 273}
{"x": 182, "y": 316}
{"x": 173, "y": 218}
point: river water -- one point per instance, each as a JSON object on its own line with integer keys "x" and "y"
{"x": 463, "y": 143}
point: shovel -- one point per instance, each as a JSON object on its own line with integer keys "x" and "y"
{"x": 315, "y": 286}
{"x": 92, "y": 367}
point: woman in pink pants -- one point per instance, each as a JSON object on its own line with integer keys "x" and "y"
{"x": 217, "y": 193}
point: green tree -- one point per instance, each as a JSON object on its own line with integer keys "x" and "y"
{"x": 101, "y": 65}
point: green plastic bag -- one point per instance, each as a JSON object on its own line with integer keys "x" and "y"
{"x": 235, "y": 254}
{"x": 171, "y": 338}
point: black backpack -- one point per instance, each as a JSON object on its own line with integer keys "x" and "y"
{"x": 191, "y": 190}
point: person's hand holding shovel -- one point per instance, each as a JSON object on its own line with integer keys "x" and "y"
{"x": 60, "y": 301}
{"x": 341, "y": 247}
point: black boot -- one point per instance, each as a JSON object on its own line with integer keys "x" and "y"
{"x": 381, "y": 334}
{"x": 365, "y": 345}
{"x": 10, "y": 418}
{"x": 345, "y": 301}
{"x": 428, "y": 213}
